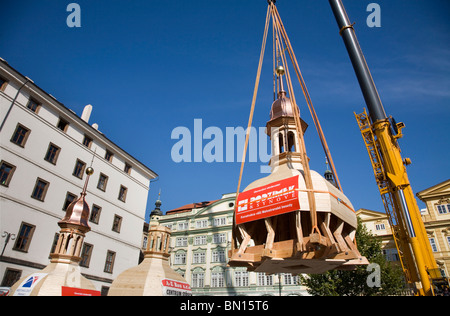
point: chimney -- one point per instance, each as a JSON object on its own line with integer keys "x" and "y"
{"x": 86, "y": 113}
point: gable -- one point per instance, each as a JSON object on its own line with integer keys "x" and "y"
{"x": 440, "y": 190}
{"x": 369, "y": 215}
{"x": 218, "y": 206}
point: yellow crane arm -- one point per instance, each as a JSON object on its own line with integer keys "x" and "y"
{"x": 380, "y": 137}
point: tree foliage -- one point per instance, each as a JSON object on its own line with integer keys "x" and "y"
{"x": 354, "y": 283}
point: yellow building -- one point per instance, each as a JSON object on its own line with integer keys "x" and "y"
{"x": 378, "y": 224}
{"x": 437, "y": 222}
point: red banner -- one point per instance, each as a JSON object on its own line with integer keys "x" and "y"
{"x": 175, "y": 288}
{"x": 71, "y": 291}
{"x": 276, "y": 198}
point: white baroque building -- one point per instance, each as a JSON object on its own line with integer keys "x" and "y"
{"x": 200, "y": 241}
{"x": 45, "y": 149}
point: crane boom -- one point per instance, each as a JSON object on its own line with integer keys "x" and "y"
{"x": 380, "y": 135}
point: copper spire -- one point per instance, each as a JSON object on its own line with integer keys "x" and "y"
{"x": 77, "y": 213}
{"x": 74, "y": 226}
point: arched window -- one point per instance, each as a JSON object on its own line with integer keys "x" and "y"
{"x": 291, "y": 142}
{"x": 281, "y": 143}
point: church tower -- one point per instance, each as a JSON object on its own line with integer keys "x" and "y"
{"x": 62, "y": 277}
{"x": 328, "y": 175}
{"x": 282, "y": 132}
{"x": 156, "y": 214}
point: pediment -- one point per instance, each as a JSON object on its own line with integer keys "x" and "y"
{"x": 437, "y": 191}
{"x": 369, "y": 215}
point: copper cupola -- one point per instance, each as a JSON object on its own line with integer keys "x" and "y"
{"x": 77, "y": 213}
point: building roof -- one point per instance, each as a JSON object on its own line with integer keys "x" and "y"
{"x": 190, "y": 207}
{"x": 281, "y": 107}
{"x": 75, "y": 117}
{"x": 435, "y": 191}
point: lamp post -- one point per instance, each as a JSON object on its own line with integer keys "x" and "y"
{"x": 8, "y": 236}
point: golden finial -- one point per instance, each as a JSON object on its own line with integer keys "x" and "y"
{"x": 280, "y": 70}
{"x": 89, "y": 171}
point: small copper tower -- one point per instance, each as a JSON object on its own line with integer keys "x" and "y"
{"x": 74, "y": 227}
{"x": 63, "y": 276}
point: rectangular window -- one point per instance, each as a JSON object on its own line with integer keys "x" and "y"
{"x": 24, "y": 237}
{"x": 380, "y": 227}
{"x": 33, "y": 105}
{"x": 20, "y": 135}
{"x": 86, "y": 254}
{"x": 201, "y": 223}
{"x": 52, "y": 153}
{"x": 448, "y": 240}
{"x": 217, "y": 279}
{"x": 78, "y": 171}
{"x": 391, "y": 254}
{"x": 290, "y": 279}
{"x": 127, "y": 168}
{"x": 63, "y": 125}
{"x": 69, "y": 199}
{"x": 199, "y": 240}
{"x": 433, "y": 245}
{"x": 6, "y": 173}
{"x": 199, "y": 257}
{"x": 10, "y": 277}
{"x": 264, "y": 279}
{"x": 3, "y": 84}
{"x": 168, "y": 226}
{"x": 241, "y": 278}
{"x": 220, "y": 221}
{"x": 40, "y": 189}
{"x": 218, "y": 256}
{"x": 198, "y": 279}
{"x": 109, "y": 263}
{"x": 95, "y": 214}
{"x": 117, "y": 223}
{"x": 109, "y": 156}
{"x": 219, "y": 238}
{"x": 443, "y": 208}
{"x": 180, "y": 258}
{"x": 87, "y": 141}
{"x": 102, "y": 182}
{"x": 123, "y": 193}
{"x": 181, "y": 241}
{"x": 183, "y": 226}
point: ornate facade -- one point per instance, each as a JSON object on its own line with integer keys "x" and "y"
{"x": 200, "y": 242}
{"x": 437, "y": 222}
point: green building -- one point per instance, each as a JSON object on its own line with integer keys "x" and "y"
{"x": 200, "y": 241}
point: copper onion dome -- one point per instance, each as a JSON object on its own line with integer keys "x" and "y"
{"x": 282, "y": 106}
{"x": 77, "y": 213}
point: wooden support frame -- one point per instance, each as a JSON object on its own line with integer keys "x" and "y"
{"x": 338, "y": 235}
{"x": 301, "y": 247}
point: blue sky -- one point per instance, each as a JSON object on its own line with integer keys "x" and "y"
{"x": 149, "y": 67}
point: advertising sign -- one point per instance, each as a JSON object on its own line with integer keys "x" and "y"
{"x": 28, "y": 285}
{"x": 175, "y": 288}
{"x": 72, "y": 291}
{"x": 276, "y": 198}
